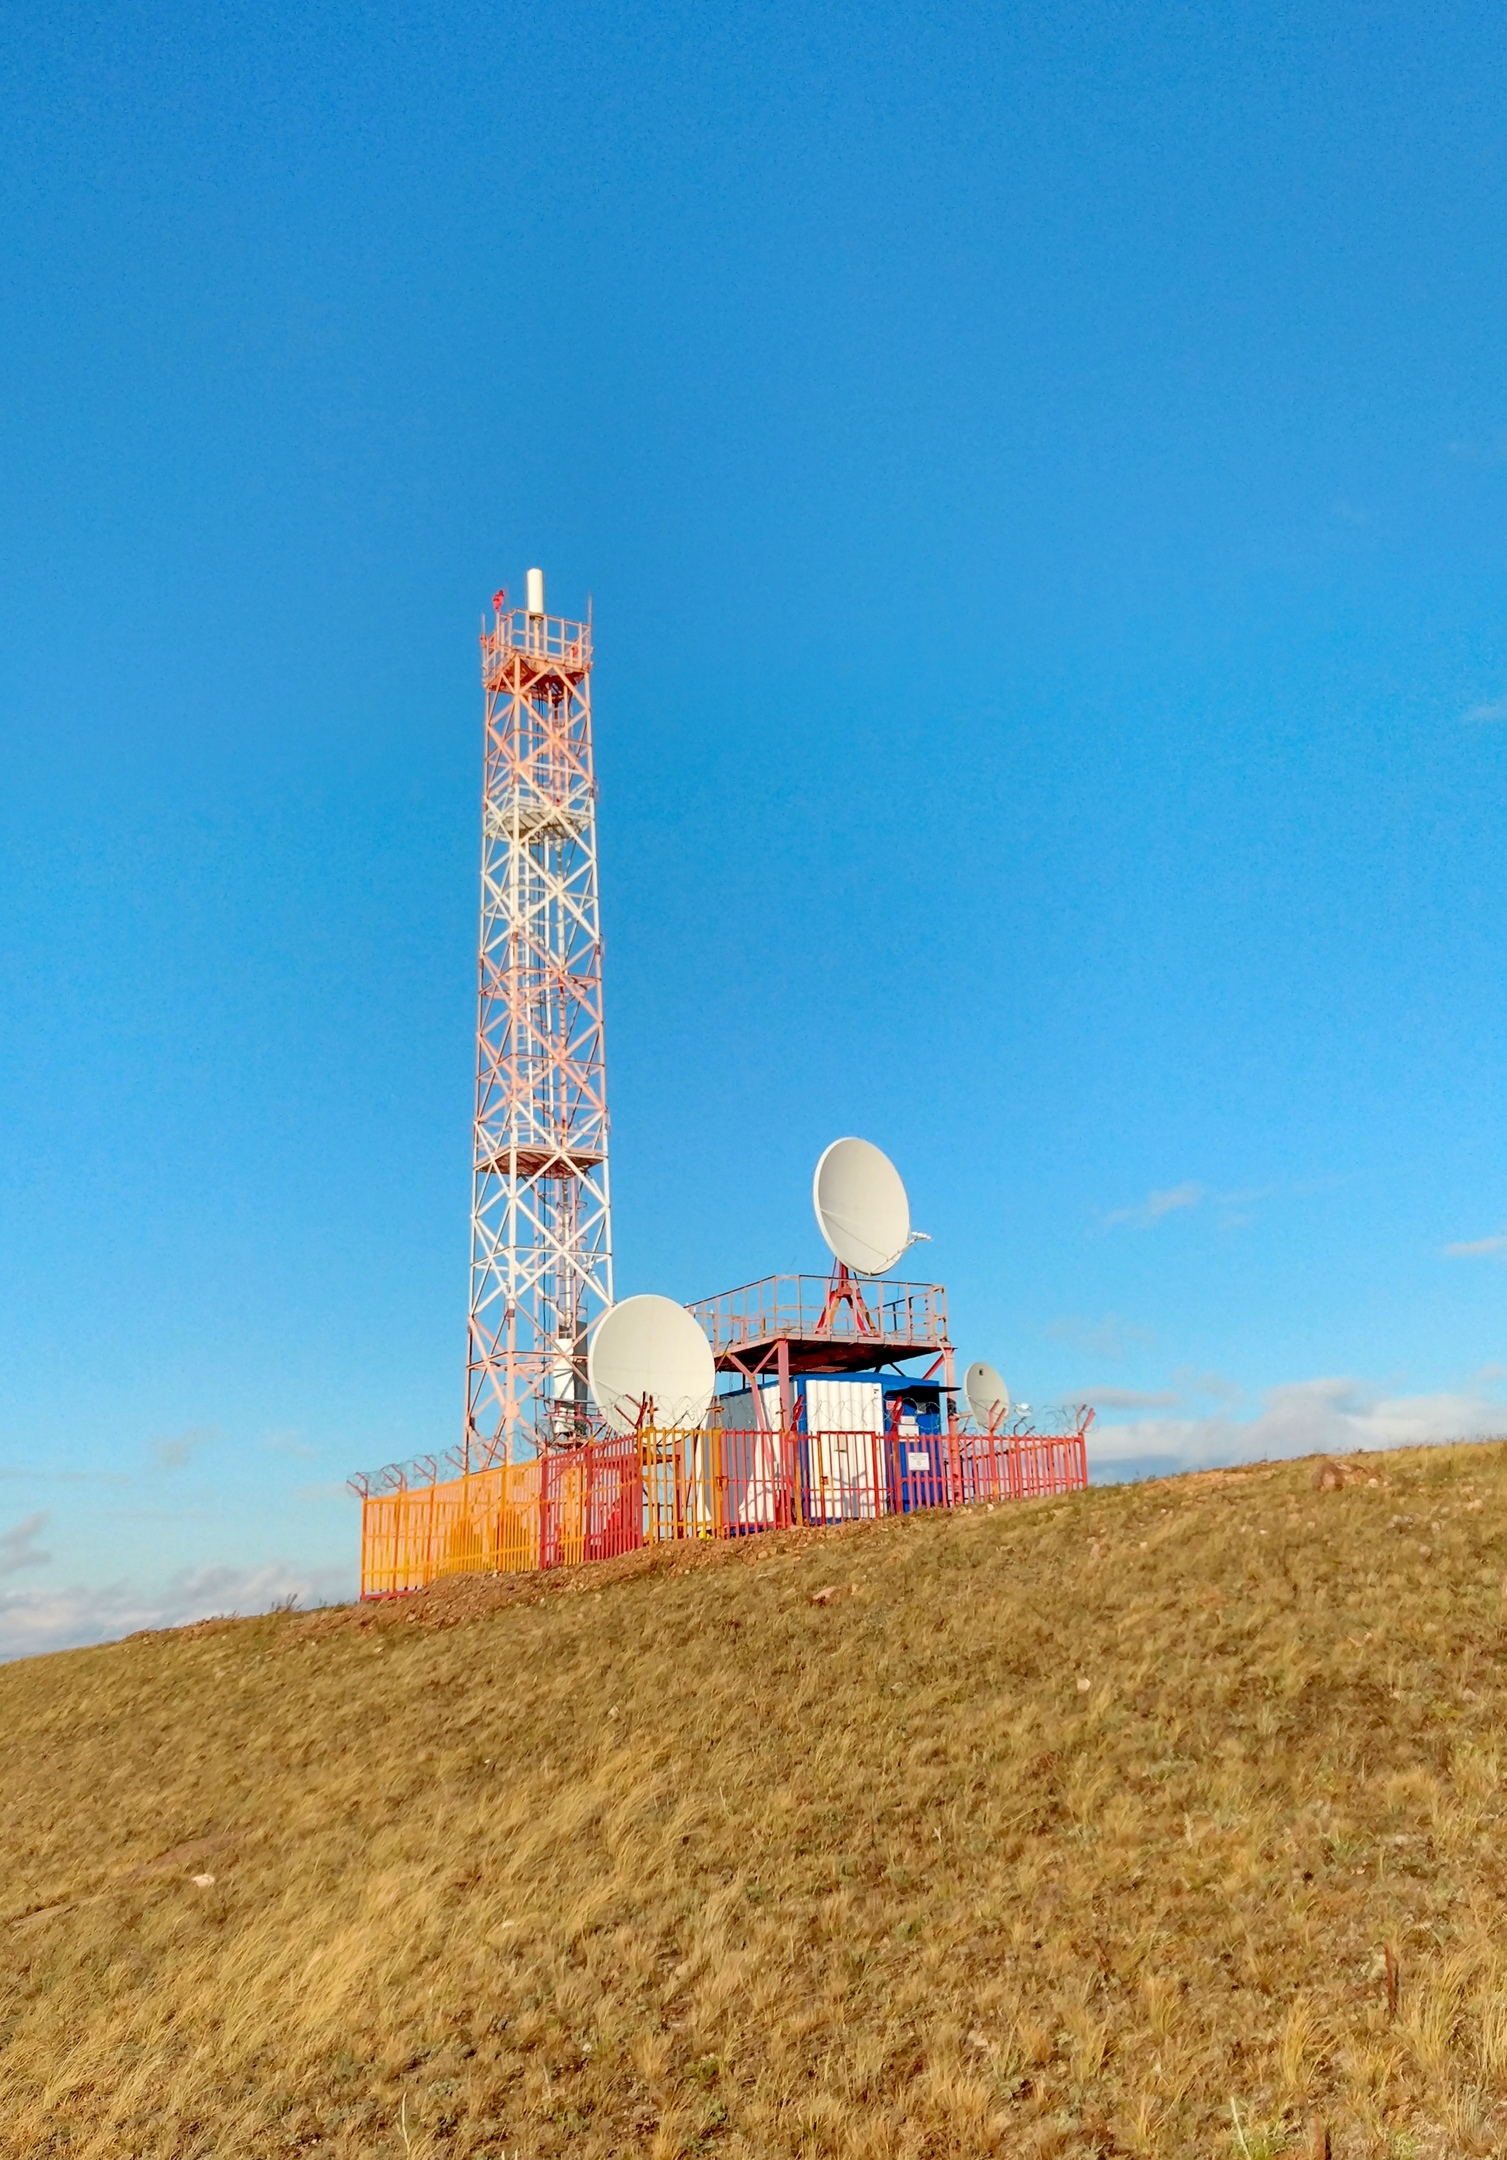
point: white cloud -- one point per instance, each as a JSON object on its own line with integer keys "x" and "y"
{"x": 1493, "y": 709}
{"x": 18, "y": 1547}
{"x": 1194, "y": 1382}
{"x": 21, "y": 1474}
{"x": 1124, "y": 1398}
{"x": 32, "y": 1621}
{"x": 1489, "y": 452}
{"x": 1236, "y": 1209}
{"x": 1110, "y": 1337}
{"x": 1480, "y": 1248}
{"x": 1305, "y": 1417}
{"x": 287, "y": 1440}
{"x": 173, "y": 1451}
{"x": 1158, "y": 1205}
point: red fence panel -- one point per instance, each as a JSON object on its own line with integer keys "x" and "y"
{"x": 613, "y": 1495}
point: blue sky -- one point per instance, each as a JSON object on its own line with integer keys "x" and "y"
{"x": 1041, "y": 474}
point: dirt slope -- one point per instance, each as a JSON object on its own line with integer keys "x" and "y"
{"x": 1075, "y": 1828}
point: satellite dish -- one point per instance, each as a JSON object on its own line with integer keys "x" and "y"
{"x": 861, "y": 1208}
{"x": 649, "y": 1354}
{"x": 986, "y": 1394}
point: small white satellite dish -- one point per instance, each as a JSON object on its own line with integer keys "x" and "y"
{"x": 647, "y": 1355}
{"x": 861, "y": 1208}
{"x": 986, "y": 1394}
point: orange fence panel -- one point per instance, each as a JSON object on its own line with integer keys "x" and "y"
{"x": 609, "y": 1497}
{"x": 487, "y": 1523}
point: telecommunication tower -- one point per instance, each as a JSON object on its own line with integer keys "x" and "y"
{"x": 541, "y": 1223}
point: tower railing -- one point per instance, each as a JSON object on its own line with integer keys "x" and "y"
{"x": 542, "y": 637}
{"x": 886, "y": 1314}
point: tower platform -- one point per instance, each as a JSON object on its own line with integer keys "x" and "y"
{"x": 840, "y": 1323}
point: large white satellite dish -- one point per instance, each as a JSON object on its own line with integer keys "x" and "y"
{"x": 861, "y": 1208}
{"x": 986, "y": 1395}
{"x": 649, "y": 1355}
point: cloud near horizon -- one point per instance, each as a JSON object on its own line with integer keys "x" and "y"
{"x": 1480, "y": 1248}
{"x": 1158, "y": 1205}
{"x": 1304, "y": 1417}
{"x": 72, "y": 1618}
{"x": 1110, "y": 1337}
{"x": 18, "y": 1547}
{"x": 1493, "y": 709}
{"x": 1192, "y": 1381}
{"x": 1125, "y": 1398}
{"x": 175, "y": 1449}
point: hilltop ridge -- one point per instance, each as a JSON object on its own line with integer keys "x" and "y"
{"x": 1073, "y": 1827}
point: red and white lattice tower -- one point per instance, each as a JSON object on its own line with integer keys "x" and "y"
{"x": 541, "y": 1225}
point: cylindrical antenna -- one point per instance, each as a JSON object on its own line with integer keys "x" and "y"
{"x": 536, "y": 592}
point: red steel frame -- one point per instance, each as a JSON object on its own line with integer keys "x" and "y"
{"x": 786, "y": 1325}
{"x": 535, "y": 1489}
{"x": 837, "y": 1313}
{"x": 541, "y": 1246}
{"x": 614, "y": 1495}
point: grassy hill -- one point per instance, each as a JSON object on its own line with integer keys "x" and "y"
{"x": 1079, "y": 1827}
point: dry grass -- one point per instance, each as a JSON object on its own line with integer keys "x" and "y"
{"x": 1076, "y": 1828}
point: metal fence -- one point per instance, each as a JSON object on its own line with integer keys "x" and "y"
{"x": 614, "y": 1495}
